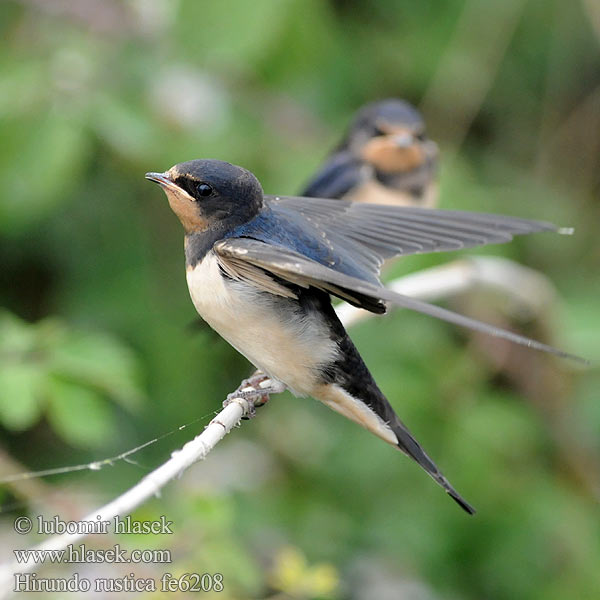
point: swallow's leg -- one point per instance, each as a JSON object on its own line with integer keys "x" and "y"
{"x": 256, "y": 390}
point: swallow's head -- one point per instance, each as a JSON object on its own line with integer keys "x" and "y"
{"x": 390, "y": 135}
{"x": 205, "y": 194}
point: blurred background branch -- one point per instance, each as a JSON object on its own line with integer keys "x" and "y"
{"x": 527, "y": 290}
{"x": 479, "y": 42}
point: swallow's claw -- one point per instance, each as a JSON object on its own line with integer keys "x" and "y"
{"x": 255, "y": 390}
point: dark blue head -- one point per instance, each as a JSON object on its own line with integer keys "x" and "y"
{"x": 208, "y": 194}
{"x": 387, "y": 116}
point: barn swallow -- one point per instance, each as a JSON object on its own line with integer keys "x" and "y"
{"x": 261, "y": 270}
{"x": 384, "y": 158}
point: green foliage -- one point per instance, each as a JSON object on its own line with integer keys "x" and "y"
{"x": 97, "y": 350}
{"x": 48, "y": 368}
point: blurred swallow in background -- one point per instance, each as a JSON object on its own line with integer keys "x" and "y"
{"x": 261, "y": 269}
{"x": 385, "y": 158}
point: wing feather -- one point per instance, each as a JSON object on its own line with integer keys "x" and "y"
{"x": 392, "y": 230}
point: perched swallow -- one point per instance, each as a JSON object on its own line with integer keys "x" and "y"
{"x": 261, "y": 269}
{"x": 384, "y": 158}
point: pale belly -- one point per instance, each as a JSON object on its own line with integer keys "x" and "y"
{"x": 272, "y": 332}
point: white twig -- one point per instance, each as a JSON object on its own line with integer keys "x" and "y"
{"x": 149, "y": 486}
{"x": 527, "y": 287}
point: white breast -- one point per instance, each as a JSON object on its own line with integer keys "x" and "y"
{"x": 272, "y": 332}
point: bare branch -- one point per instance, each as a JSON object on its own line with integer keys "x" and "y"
{"x": 149, "y": 486}
{"x": 526, "y": 287}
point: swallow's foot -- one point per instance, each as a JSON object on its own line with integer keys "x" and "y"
{"x": 256, "y": 390}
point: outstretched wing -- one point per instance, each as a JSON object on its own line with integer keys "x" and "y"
{"x": 251, "y": 259}
{"x": 372, "y": 233}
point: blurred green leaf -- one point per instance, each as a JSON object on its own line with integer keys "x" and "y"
{"x": 40, "y": 160}
{"x": 126, "y": 128}
{"x": 33, "y": 357}
{"x": 100, "y": 361}
{"x": 20, "y": 87}
{"x": 80, "y": 415}
{"x": 16, "y": 338}
{"x": 20, "y": 394}
{"x": 246, "y": 30}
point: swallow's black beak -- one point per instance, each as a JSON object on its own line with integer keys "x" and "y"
{"x": 164, "y": 180}
{"x": 160, "y": 178}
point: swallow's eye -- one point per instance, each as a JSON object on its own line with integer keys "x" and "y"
{"x": 203, "y": 189}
